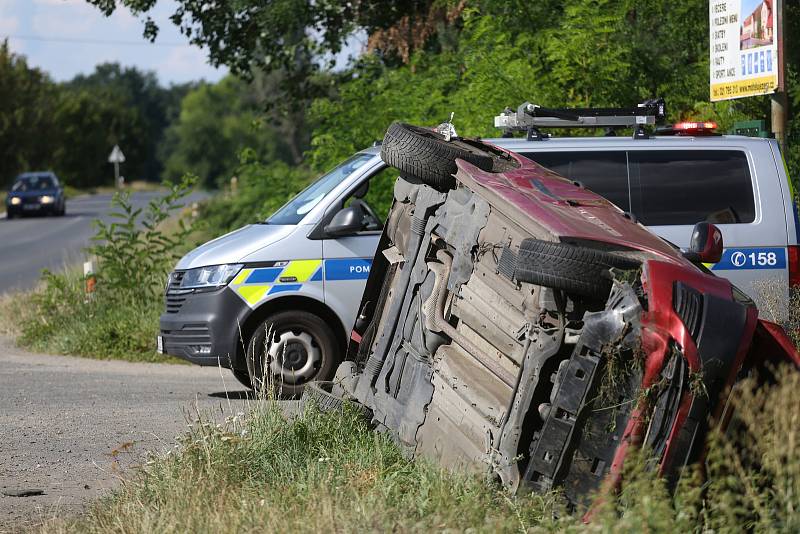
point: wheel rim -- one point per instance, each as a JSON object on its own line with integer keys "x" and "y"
{"x": 294, "y": 355}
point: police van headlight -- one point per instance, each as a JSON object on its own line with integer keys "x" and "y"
{"x": 211, "y": 276}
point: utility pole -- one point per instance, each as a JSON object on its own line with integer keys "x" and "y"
{"x": 779, "y": 99}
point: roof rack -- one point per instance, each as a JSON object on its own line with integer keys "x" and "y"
{"x": 530, "y": 117}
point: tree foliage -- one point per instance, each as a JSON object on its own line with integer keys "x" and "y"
{"x": 554, "y": 53}
{"x": 218, "y": 121}
{"x": 71, "y": 127}
{"x": 297, "y": 37}
{"x": 26, "y": 114}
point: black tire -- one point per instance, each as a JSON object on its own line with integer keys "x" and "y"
{"x": 320, "y": 394}
{"x": 424, "y": 154}
{"x": 294, "y": 324}
{"x": 243, "y": 377}
{"x": 576, "y": 270}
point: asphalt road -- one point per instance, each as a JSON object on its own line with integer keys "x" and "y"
{"x": 30, "y": 244}
{"x": 72, "y": 426}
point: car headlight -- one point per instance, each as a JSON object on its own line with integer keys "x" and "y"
{"x": 47, "y": 199}
{"x": 211, "y": 276}
{"x": 15, "y": 201}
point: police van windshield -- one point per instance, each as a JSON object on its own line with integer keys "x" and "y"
{"x": 293, "y": 211}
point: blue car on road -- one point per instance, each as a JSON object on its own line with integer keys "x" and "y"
{"x": 38, "y": 193}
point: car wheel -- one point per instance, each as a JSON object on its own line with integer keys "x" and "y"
{"x": 424, "y": 154}
{"x": 576, "y": 270}
{"x": 290, "y": 349}
{"x": 243, "y": 377}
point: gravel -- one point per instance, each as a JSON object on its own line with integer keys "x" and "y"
{"x": 70, "y": 427}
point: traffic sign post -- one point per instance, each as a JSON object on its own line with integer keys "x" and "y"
{"x": 116, "y": 157}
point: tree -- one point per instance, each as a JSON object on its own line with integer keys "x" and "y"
{"x": 149, "y": 107}
{"x": 87, "y": 126}
{"x": 26, "y": 115}
{"x": 299, "y": 37}
{"x": 216, "y": 122}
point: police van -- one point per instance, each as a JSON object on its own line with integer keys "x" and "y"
{"x": 278, "y": 299}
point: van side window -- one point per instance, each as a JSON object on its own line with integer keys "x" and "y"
{"x": 605, "y": 173}
{"x": 676, "y": 187}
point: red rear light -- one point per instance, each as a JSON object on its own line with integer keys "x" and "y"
{"x": 794, "y": 265}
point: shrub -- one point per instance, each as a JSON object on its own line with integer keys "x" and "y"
{"x": 120, "y": 319}
{"x": 134, "y": 253}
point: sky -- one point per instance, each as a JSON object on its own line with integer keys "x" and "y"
{"x": 69, "y": 37}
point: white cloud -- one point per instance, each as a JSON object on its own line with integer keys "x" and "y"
{"x": 64, "y": 19}
{"x": 187, "y": 63}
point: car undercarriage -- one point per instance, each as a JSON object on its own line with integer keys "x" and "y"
{"x": 516, "y": 324}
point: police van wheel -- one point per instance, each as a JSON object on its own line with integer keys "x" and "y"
{"x": 288, "y": 350}
{"x": 423, "y": 154}
{"x": 243, "y": 377}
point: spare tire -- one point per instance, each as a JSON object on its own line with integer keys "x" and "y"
{"x": 577, "y": 270}
{"x": 424, "y": 154}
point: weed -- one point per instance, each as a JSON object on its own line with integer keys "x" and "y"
{"x": 133, "y": 252}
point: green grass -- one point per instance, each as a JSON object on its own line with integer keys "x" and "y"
{"x": 59, "y": 317}
{"x": 330, "y": 472}
{"x": 319, "y": 472}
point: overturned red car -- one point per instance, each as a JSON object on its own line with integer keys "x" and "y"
{"x": 518, "y": 324}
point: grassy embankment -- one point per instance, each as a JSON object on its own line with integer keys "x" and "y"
{"x": 330, "y": 472}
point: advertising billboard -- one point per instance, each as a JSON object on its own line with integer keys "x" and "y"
{"x": 744, "y": 48}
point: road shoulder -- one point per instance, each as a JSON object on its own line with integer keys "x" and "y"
{"x": 73, "y": 426}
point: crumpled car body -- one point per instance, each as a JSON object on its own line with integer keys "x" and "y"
{"x": 462, "y": 361}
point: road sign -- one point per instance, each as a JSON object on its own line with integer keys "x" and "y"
{"x": 744, "y": 46}
{"x": 116, "y": 155}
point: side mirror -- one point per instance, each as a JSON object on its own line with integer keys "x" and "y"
{"x": 347, "y": 221}
{"x": 706, "y": 243}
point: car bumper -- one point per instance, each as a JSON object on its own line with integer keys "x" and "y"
{"x": 31, "y": 209}
{"x": 203, "y": 328}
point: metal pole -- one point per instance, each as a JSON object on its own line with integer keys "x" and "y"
{"x": 779, "y": 100}
{"x": 779, "y": 103}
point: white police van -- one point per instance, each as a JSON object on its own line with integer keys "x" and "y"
{"x": 296, "y": 279}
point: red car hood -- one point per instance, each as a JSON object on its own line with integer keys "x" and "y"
{"x": 565, "y": 209}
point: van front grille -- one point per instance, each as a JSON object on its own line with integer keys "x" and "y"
{"x": 175, "y": 296}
